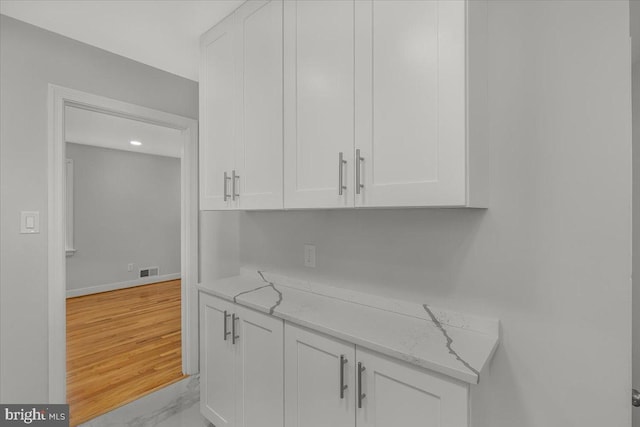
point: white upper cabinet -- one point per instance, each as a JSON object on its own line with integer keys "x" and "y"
{"x": 217, "y": 115}
{"x": 241, "y": 110}
{"x": 411, "y": 103}
{"x": 319, "y": 103}
{"x": 399, "y": 88}
{"x": 337, "y": 104}
{"x": 259, "y": 148}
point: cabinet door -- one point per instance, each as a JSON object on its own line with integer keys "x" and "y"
{"x": 217, "y": 362}
{"x": 410, "y": 102}
{"x": 259, "y": 149}
{"x": 312, "y": 377}
{"x": 259, "y": 367}
{"x": 218, "y": 105}
{"x": 318, "y": 103}
{"x": 400, "y": 395}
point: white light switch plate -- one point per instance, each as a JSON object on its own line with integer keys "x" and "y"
{"x": 29, "y": 222}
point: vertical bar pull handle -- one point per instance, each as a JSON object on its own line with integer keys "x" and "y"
{"x": 359, "y": 184}
{"x": 341, "y": 163}
{"x": 343, "y": 386}
{"x": 226, "y": 328}
{"x": 234, "y": 337}
{"x": 234, "y": 177}
{"x": 361, "y": 395}
{"x": 226, "y": 179}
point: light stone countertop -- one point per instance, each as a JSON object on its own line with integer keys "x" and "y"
{"x": 429, "y": 341}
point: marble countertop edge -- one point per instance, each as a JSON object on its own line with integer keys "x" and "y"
{"x": 456, "y": 319}
{"x": 251, "y": 292}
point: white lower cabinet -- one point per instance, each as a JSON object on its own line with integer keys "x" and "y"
{"x": 241, "y": 354}
{"x": 377, "y": 391}
{"x": 319, "y": 380}
{"x": 217, "y": 362}
{"x": 396, "y": 394}
{"x": 259, "y": 371}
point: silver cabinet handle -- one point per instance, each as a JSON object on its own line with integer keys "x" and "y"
{"x": 234, "y": 337}
{"x": 226, "y": 332}
{"x": 226, "y": 178}
{"x": 234, "y": 177}
{"x": 341, "y": 163}
{"x": 343, "y": 386}
{"x": 635, "y": 397}
{"x": 359, "y": 184}
{"x": 361, "y": 395}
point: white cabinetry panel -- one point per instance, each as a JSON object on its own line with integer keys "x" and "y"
{"x": 218, "y": 105}
{"x": 259, "y": 64}
{"x": 312, "y": 376}
{"x": 400, "y": 395}
{"x": 217, "y": 363}
{"x": 241, "y": 110}
{"x": 242, "y": 375}
{"x": 260, "y": 373}
{"x": 319, "y": 102}
{"x": 410, "y": 102}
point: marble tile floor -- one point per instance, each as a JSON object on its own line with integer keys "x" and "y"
{"x": 177, "y": 405}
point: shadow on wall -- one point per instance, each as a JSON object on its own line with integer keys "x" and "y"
{"x": 402, "y": 248}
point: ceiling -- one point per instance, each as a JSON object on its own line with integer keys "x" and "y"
{"x": 165, "y": 33}
{"x": 104, "y": 130}
{"x": 160, "y": 33}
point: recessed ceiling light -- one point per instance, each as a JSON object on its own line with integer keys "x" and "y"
{"x": 135, "y": 142}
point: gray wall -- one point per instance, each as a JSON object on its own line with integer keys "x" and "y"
{"x": 219, "y": 240}
{"x": 551, "y": 257}
{"x": 636, "y": 229}
{"x": 126, "y": 210}
{"x": 635, "y": 34}
{"x": 30, "y": 58}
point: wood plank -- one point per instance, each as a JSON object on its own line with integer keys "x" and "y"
{"x": 122, "y": 345}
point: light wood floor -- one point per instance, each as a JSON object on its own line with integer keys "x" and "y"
{"x": 121, "y": 345}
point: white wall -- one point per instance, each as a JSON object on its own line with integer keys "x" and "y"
{"x": 635, "y": 25}
{"x": 30, "y": 58}
{"x": 636, "y": 235}
{"x": 219, "y": 237}
{"x": 635, "y": 35}
{"x": 551, "y": 257}
{"x": 126, "y": 210}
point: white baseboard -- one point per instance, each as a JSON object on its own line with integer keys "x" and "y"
{"x": 121, "y": 285}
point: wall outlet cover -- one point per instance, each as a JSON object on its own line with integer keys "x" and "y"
{"x": 310, "y": 256}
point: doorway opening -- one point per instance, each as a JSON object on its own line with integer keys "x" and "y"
{"x": 123, "y": 274}
{"x": 102, "y": 287}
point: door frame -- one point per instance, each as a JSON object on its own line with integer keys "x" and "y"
{"x": 58, "y": 98}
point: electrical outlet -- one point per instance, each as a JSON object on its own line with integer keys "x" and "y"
{"x": 129, "y": 267}
{"x": 309, "y": 255}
